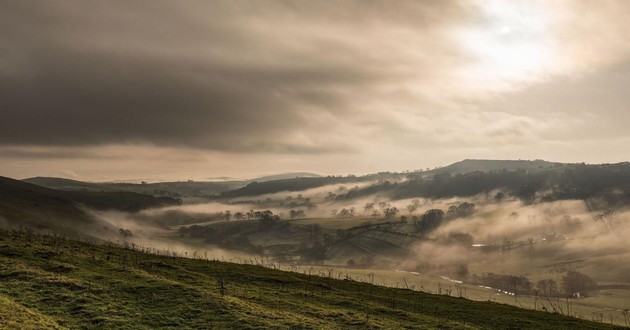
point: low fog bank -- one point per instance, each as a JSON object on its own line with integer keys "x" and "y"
{"x": 463, "y": 238}
{"x": 134, "y": 231}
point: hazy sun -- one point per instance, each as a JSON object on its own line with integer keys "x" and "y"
{"x": 511, "y": 43}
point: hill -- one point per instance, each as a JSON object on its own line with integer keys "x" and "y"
{"x": 601, "y": 186}
{"x": 29, "y": 205}
{"x": 274, "y": 185}
{"x": 100, "y": 197}
{"x": 295, "y": 184}
{"x": 67, "y": 184}
{"x": 283, "y": 176}
{"x": 55, "y": 283}
{"x": 25, "y": 204}
{"x": 486, "y": 165}
{"x": 160, "y": 189}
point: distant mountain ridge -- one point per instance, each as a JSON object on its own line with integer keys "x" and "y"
{"x": 293, "y": 181}
{"x": 284, "y": 176}
{"x": 66, "y": 184}
{"x": 486, "y": 165}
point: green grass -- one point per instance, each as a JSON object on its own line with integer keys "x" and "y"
{"x": 335, "y": 223}
{"x": 49, "y": 283}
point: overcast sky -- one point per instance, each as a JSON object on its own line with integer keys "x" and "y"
{"x": 164, "y": 90}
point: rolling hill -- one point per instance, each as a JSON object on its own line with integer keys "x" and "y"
{"x": 283, "y": 176}
{"x": 158, "y": 189}
{"x": 486, "y": 165}
{"x": 100, "y": 197}
{"x": 27, "y": 205}
{"x": 56, "y": 283}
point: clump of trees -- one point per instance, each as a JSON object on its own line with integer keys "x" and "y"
{"x": 510, "y": 283}
{"x": 390, "y": 212}
{"x": 574, "y": 281}
{"x": 463, "y": 210}
{"x": 413, "y": 206}
{"x": 125, "y": 232}
{"x": 430, "y": 220}
{"x": 434, "y": 218}
{"x": 265, "y": 216}
{"x": 346, "y": 213}
{"x": 297, "y": 214}
{"x": 547, "y": 288}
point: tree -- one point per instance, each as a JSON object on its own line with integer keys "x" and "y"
{"x": 266, "y": 217}
{"x": 430, "y": 220}
{"x": 125, "y": 232}
{"x": 575, "y": 281}
{"x": 330, "y": 196}
{"x": 415, "y": 203}
{"x": 547, "y": 287}
{"x": 346, "y": 213}
{"x": 462, "y": 210}
{"x": 297, "y": 214}
{"x": 390, "y": 212}
{"x": 239, "y": 216}
{"x": 462, "y": 271}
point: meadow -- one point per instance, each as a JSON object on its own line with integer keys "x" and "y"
{"x": 51, "y": 282}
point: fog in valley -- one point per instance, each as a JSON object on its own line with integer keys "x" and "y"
{"x": 473, "y": 149}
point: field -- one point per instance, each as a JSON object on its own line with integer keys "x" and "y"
{"x": 603, "y": 307}
{"x": 606, "y": 305}
{"x": 334, "y": 223}
{"x": 55, "y": 283}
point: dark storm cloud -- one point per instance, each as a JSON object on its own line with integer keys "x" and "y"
{"x": 46, "y": 153}
{"x": 233, "y": 76}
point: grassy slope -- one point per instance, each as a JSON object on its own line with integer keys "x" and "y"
{"x": 484, "y": 165}
{"x": 24, "y": 204}
{"x": 171, "y": 189}
{"x": 46, "y": 282}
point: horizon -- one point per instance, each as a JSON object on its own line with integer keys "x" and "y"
{"x": 302, "y": 174}
{"x": 196, "y": 90}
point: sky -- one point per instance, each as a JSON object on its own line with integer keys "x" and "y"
{"x": 173, "y": 90}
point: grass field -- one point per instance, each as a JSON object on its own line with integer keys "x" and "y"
{"x": 53, "y": 283}
{"x": 335, "y": 223}
{"x": 605, "y": 306}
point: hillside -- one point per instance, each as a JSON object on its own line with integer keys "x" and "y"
{"x": 66, "y": 184}
{"x": 283, "y": 176}
{"x": 54, "y": 283}
{"x": 486, "y": 165}
{"x": 291, "y": 182}
{"x": 161, "y": 189}
{"x": 602, "y": 186}
{"x": 295, "y": 184}
{"x": 24, "y": 204}
{"x": 90, "y": 195}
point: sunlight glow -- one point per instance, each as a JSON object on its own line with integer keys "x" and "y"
{"x": 511, "y": 44}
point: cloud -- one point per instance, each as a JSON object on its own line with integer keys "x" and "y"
{"x": 220, "y": 76}
{"x": 343, "y": 87}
